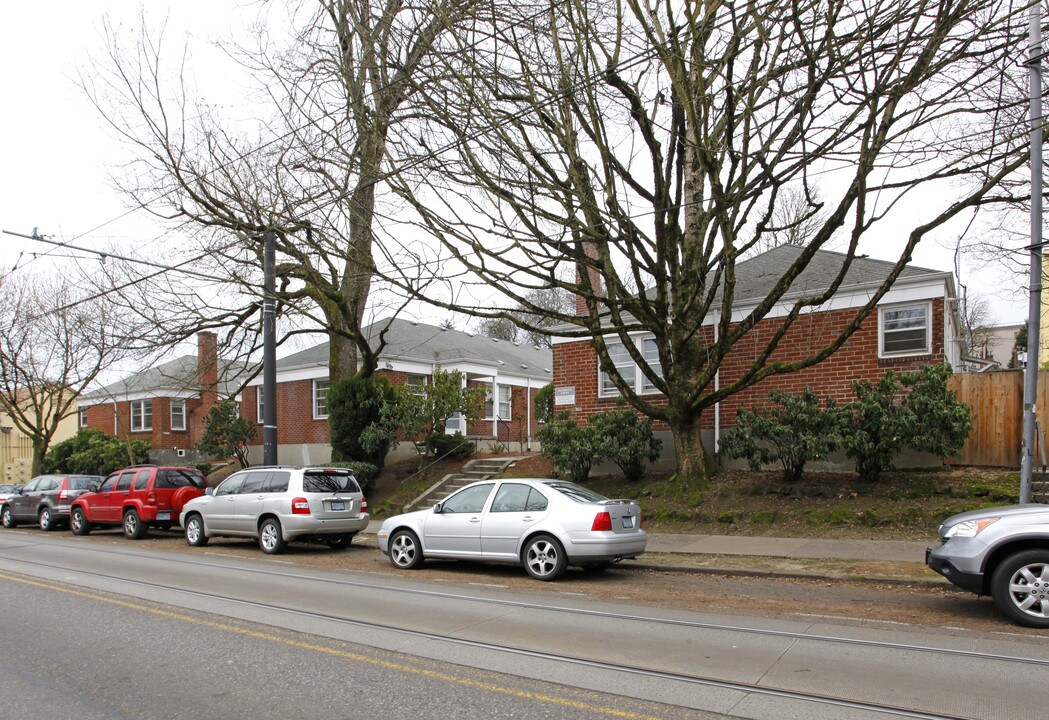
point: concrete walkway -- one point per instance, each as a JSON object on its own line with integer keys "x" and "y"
{"x": 795, "y": 548}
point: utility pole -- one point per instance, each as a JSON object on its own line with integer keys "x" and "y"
{"x": 1034, "y": 308}
{"x": 269, "y": 349}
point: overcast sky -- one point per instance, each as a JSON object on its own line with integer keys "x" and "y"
{"x": 57, "y": 150}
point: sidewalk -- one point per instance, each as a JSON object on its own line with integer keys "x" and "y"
{"x": 785, "y": 556}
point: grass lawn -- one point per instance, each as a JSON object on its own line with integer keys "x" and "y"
{"x": 903, "y": 505}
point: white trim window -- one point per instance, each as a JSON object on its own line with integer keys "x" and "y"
{"x": 178, "y": 414}
{"x": 141, "y": 415}
{"x": 83, "y": 418}
{"x": 905, "y": 330}
{"x": 259, "y": 409}
{"x": 629, "y": 370}
{"x": 415, "y": 384}
{"x": 320, "y": 399}
{"x": 504, "y": 403}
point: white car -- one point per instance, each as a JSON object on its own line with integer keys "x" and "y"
{"x": 278, "y": 505}
{"x": 544, "y": 525}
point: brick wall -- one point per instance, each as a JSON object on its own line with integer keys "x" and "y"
{"x": 161, "y": 437}
{"x": 575, "y": 364}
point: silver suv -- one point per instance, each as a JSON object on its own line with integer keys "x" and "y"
{"x": 278, "y": 505}
{"x": 1002, "y": 552}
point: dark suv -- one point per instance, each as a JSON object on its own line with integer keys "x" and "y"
{"x": 137, "y": 498}
{"x": 46, "y": 500}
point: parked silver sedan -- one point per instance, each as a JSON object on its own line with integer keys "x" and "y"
{"x": 544, "y": 525}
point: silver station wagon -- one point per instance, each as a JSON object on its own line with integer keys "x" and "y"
{"x": 544, "y": 525}
{"x": 277, "y": 505}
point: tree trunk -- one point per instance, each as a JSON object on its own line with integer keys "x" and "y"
{"x": 691, "y": 455}
{"x": 39, "y": 450}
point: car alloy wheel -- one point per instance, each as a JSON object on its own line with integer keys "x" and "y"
{"x": 404, "y": 550}
{"x": 270, "y": 539}
{"x": 46, "y": 521}
{"x": 7, "y": 518}
{"x": 544, "y": 559}
{"x": 1020, "y": 587}
{"x": 78, "y": 523}
{"x": 195, "y": 531}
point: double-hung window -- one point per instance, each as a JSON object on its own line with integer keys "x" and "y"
{"x": 416, "y": 385}
{"x": 628, "y": 369}
{"x": 141, "y": 415}
{"x": 83, "y": 418}
{"x": 320, "y": 399}
{"x": 259, "y": 409}
{"x": 503, "y": 403}
{"x": 178, "y": 414}
{"x": 904, "y": 330}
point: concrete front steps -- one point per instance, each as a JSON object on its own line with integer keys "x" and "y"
{"x": 472, "y": 471}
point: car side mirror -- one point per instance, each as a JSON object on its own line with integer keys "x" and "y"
{"x": 438, "y": 508}
{"x": 209, "y": 491}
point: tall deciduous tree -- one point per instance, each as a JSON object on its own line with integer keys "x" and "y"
{"x": 650, "y": 144}
{"x": 53, "y": 347}
{"x": 336, "y": 88}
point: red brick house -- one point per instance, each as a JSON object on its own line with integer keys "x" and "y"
{"x": 915, "y": 323}
{"x": 511, "y": 372}
{"x": 167, "y": 404}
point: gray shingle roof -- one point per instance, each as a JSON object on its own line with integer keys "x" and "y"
{"x": 758, "y": 275}
{"x": 408, "y": 340}
{"x": 178, "y": 375}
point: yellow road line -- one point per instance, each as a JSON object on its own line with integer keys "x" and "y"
{"x": 356, "y": 657}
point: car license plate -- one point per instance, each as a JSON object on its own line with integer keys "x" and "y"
{"x": 338, "y": 506}
{"x": 163, "y": 516}
{"x": 628, "y": 521}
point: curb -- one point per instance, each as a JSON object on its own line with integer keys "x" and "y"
{"x": 785, "y": 575}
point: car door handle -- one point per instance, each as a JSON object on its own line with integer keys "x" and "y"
{"x": 475, "y": 519}
{"x": 527, "y": 518}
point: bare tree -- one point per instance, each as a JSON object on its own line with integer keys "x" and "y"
{"x": 526, "y": 324}
{"x": 311, "y": 169}
{"x": 650, "y": 145}
{"x": 55, "y": 344}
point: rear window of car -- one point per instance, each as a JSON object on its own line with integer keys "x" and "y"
{"x": 576, "y": 492}
{"x": 323, "y": 482}
{"x": 179, "y": 478}
{"x": 84, "y": 483}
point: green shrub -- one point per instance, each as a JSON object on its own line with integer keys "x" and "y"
{"x": 726, "y": 518}
{"x": 355, "y": 403}
{"x": 571, "y": 448}
{"x": 885, "y": 417}
{"x": 450, "y": 446}
{"x": 226, "y": 433}
{"x": 793, "y": 432}
{"x": 626, "y": 439}
{"x": 365, "y": 473}
{"x": 763, "y": 517}
{"x": 543, "y": 402}
{"x": 93, "y": 452}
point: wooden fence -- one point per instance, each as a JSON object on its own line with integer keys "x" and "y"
{"x": 996, "y": 402}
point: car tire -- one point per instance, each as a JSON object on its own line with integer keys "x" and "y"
{"x": 134, "y": 528}
{"x": 46, "y": 519}
{"x": 8, "y": 518}
{"x": 405, "y": 551}
{"x": 78, "y": 524}
{"x": 195, "y": 531}
{"x": 340, "y": 542}
{"x": 271, "y": 540}
{"x": 1020, "y": 588}
{"x": 544, "y": 558}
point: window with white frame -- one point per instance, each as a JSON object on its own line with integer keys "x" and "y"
{"x": 141, "y": 415}
{"x": 320, "y": 399}
{"x": 628, "y": 369}
{"x": 416, "y": 384}
{"x": 904, "y": 330}
{"x": 83, "y": 418}
{"x": 259, "y": 409}
{"x": 503, "y": 401}
{"x": 178, "y": 414}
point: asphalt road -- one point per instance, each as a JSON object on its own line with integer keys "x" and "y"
{"x": 202, "y": 634}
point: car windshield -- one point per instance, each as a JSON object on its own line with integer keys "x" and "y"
{"x": 321, "y": 482}
{"x": 176, "y": 478}
{"x": 84, "y": 483}
{"x": 7, "y": 488}
{"x": 576, "y": 492}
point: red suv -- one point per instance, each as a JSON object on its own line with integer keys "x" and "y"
{"x": 137, "y": 498}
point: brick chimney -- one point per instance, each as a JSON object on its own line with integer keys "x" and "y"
{"x": 590, "y": 249}
{"x": 207, "y": 371}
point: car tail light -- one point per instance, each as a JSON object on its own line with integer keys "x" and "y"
{"x": 300, "y": 506}
{"x": 364, "y": 505}
{"x": 602, "y": 521}
{"x": 151, "y": 498}
{"x": 62, "y": 493}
